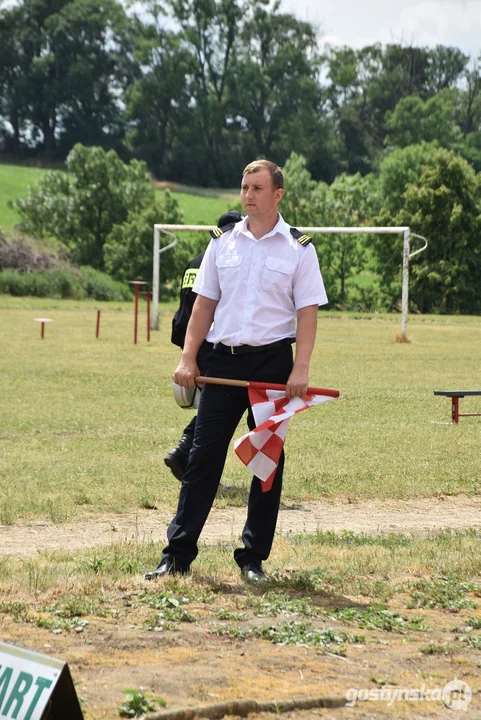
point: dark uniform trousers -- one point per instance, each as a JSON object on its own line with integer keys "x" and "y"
{"x": 220, "y": 410}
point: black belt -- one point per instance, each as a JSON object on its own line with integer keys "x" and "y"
{"x": 243, "y": 349}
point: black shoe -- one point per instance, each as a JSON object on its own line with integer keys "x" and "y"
{"x": 177, "y": 463}
{"x": 176, "y": 460}
{"x": 253, "y": 573}
{"x": 166, "y": 567}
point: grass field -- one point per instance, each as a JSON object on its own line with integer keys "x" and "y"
{"x": 203, "y": 210}
{"x": 197, "y": 208}
{"x": 14, "y": 183}
{"x": 84, "y": 424}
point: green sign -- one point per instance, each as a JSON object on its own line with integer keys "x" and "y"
{"x": 35, "y": 687}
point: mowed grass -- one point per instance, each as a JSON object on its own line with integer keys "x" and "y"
{"x": 198, "y": 208}
{"x": 204, "y": 210}
{"x": 204, "y": 207}
{"x": 85, "y": 423}
{"x": 14, "y": 183}
{"x": 439, "y": 571}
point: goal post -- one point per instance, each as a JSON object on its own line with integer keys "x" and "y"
{"x": 170, "y": 230}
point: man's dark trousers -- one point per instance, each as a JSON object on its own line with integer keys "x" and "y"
{"x": 221, "y": 408}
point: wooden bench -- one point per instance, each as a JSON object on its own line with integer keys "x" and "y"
{"x": 455, "y": 395}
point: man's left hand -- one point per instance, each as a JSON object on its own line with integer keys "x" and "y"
{"x": 297, "y": 384}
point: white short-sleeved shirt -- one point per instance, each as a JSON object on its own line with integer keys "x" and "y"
{"x": 260, "y": 284}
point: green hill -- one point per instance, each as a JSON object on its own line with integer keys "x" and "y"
{"x": 204, "y": 210}
{"x": 199, "y": 205}
{"x": 14, "y": 183}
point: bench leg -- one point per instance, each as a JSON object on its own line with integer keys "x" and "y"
{"x": 455, "y": 410}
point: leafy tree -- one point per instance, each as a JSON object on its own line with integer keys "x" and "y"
{"x": 128, "y": 249}
{"x": 304, "y": 199}
{"x": 446, "y": 66}
{"x": 470, "y": 148}
{"x": 446, "y": 209}
{"x": 209, "y": 31}
{"x": 155, "y": 100}
{"x": 63, "y": 67}
{"x": 80, "y": 207}
{"x": 30, "y": 80}
{"x": 400, "y": 167}
{"x": 365, "y": 86}
{"x": 414, "y": 121}
{"x": 274, "y": 79}
{"x": 197, "y": 88}
{"x": 349, "y": 202}
{"x": 469, "y": 114}
{"x": 91, "y": 45}
{"x": 405, "y": 122}
{"x": 405, "y": 70}
{"x": 470, "y": 98}
{"x": 443, "y": 206}
{"x": 408, "y": 71}
{"x": 342, "y": 74}
{"x": 356, "y": 143}
{"x": 13, "y": 63}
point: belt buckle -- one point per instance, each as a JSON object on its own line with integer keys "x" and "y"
{"x": 232, "y": 350}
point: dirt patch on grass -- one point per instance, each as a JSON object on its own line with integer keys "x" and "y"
{"x": 211, "y": 659}
{"x": 418, "y": 517}
{"x": 192, "y": 665}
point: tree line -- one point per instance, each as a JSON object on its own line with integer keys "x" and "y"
{"x": 198, "y": 88}
{"x": 102, "y": 211}
{"x": 192, "y": 90}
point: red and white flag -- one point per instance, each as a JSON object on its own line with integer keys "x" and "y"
{"x": 261, "y": 448}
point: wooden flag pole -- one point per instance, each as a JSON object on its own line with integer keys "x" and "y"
{"x": 200, "y": 379}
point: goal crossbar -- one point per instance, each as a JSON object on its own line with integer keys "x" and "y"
{"x": 404, "y": 230}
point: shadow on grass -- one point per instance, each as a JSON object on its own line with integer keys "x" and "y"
{"x": 232, "y": 495}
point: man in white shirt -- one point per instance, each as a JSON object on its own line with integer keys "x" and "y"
{"x": 257, "y": 279}
{"x": 176, "y": 459}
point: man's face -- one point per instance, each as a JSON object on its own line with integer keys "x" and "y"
{"x": 258, "y": 197}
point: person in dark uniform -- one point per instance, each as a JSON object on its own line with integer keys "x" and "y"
{"x": 258, "y": 291}
{"x": 176, "y": 459}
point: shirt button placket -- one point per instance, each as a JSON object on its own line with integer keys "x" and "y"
{"x": 250, "y": 295}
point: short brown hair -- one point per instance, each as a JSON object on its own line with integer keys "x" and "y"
{"x": 275, "y": 171}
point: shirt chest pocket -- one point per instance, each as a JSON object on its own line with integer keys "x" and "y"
{"x": 228, "y": 268}
{"x": 277, "y": 275}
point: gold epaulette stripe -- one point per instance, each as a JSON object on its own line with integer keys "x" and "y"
{"x": 302, "y": 239}
{"x": 217, "y": 232}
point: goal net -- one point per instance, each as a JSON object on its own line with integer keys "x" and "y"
{"x": 171, "y": 230}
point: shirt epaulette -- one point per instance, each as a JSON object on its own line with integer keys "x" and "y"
{"x": 303, "y": 239}
{"x": 218, "y": 231}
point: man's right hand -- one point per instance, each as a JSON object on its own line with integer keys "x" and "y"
{"x": 185, "y": 373}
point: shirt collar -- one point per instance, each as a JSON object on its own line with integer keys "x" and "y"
{"x": 241, "y": 227}
{"x": 280, "y": 227}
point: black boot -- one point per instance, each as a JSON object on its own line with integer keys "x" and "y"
{"x": 176, "y": 459}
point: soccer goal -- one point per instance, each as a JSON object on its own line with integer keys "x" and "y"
{"x": 171, "y": 230}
